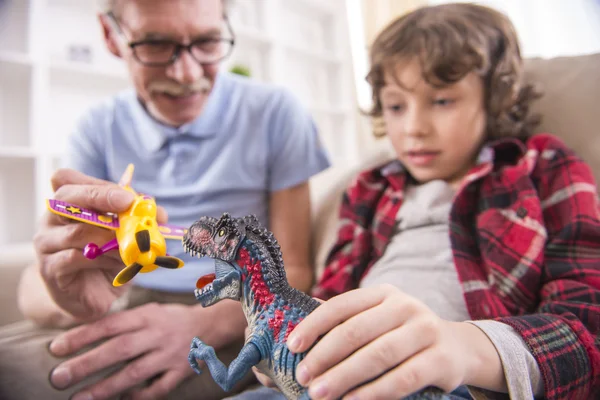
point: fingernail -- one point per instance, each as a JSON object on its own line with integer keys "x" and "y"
{"x": 60, "y": 377}
{"x": 293, "y": 343}
{"x": 318, "y": 390}
{"x": 302, "y": 375}
{"x": 58, "y": 346}
{"x": 120, "y": 198}
{"x": 82, "y": 396}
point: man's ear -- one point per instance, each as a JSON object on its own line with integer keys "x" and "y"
{"x": 109, "y": 35}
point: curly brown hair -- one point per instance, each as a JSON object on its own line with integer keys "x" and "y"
{"x": 452, "y": 40}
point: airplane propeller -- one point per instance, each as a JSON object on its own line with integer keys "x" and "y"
{"x": 142, "y": 239}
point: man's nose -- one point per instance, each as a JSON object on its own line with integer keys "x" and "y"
{"x": 185, "y": 69}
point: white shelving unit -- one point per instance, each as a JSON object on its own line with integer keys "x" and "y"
{"x": 300, "y": 44}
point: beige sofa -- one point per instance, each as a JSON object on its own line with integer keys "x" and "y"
{"x": 570, "y": 109}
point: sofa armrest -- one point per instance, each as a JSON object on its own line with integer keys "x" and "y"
{"x": 13, "y": 260}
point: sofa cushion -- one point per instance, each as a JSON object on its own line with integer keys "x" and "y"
{"x": 570, "y": 106}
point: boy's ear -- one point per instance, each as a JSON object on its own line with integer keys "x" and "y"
{"x": 109, "y": 35}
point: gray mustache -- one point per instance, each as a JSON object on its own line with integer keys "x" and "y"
{"x": 177, "y": 89}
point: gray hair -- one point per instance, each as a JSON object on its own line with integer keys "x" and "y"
{"x": 106, "y": 6}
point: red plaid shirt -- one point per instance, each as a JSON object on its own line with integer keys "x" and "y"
{"x": 525, "y": 234}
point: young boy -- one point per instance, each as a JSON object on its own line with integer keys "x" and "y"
{"x": 486, "y": 239}
{"x": 476, "y": 254}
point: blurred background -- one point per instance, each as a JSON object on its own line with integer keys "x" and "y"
{"x": 53, "y": 66}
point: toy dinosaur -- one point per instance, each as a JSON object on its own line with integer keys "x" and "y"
{"x": 249, "y": 268}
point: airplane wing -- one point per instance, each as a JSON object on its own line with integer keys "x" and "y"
{"x": 172, "y": 231}
{"x": 82, "y": 214}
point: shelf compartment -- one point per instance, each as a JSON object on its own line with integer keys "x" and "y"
{"x": 15, "y": 95}
{"x": 312, "y": 81}
{"x": 335, "y": 136}
{"x": 253, "y": 54}
{"x": 18, "y": 201}
{"x": 72, "y": 92}
{"x": 14, "y": 23}
{"x": 246, "y": 15}
{"x": 308, "y": 26}
{"x": 87, "y": 46}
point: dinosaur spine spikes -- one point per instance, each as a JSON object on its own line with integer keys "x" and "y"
{"x": 271, "y": 244}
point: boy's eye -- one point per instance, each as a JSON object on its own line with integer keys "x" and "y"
{"x": 442, "y": 102}
{"x": 394, "y": 107}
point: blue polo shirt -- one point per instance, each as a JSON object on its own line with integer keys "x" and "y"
{"x": 251, "y": 139}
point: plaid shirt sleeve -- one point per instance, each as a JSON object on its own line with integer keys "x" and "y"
{"x": 564, "y": 334}
{"x": 350, "y": 255}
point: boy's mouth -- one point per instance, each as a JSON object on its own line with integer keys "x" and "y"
{"x": 422, "y": 157}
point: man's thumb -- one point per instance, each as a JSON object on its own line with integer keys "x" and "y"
{"x": 119, "y": 199}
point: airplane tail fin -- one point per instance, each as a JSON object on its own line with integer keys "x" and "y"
{"x": 127, "y": 176}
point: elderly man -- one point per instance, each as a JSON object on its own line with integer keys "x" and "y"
{"x": 203, "y": 142}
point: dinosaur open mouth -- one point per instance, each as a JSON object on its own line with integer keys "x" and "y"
{"x": 205, "y": 280}
{"x": 204, "y": 284}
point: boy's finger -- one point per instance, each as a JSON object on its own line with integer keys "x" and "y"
{"x": 347, "y": 338}
{"x": 263, "y": 379}
{"x": 331, "y": 313}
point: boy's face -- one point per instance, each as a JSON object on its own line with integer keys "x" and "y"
{"x": 436, "y": 132}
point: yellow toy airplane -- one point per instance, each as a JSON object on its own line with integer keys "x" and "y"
{"x": 139, "y": 238}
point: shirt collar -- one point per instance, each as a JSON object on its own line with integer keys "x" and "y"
{"x": 155, "y": 134}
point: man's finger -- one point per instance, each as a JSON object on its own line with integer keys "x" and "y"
{"x": 132, "y": 374}
{"x": 160, "y": 387}
{"x": 331, "y": 313}
{"x": 71, "y": 236}
{"x": 118, "y": 349}
{"x": 101, "y": 198}
{"x": 66, "y": 176}
{"x": 161, "y": 215}
{"x": 79, "y": 337}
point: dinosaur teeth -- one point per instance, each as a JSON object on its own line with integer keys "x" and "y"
{"x": 204, "y": 290}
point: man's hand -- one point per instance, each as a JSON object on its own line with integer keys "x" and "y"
{"x": 391, "y": 344}
{"x": 80, "y": 286}
{"x": 154, "y": 340}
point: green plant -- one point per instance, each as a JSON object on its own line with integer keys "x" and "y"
{"x": 240, "y": 70}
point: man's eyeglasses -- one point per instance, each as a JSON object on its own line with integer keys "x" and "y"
{"x": 163, "y": 52}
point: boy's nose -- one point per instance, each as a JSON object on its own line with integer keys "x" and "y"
{"x": 416, "y": 123}
{"x": 185, "y": 70}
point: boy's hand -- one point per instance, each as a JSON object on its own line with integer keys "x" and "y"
{"x": 392, "y": 341}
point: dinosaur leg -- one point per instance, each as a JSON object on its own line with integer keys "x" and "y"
{"x": 225, "y": 377}
{"x": 91, "y": 250}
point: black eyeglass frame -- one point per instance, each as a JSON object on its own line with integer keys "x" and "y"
{"x": 178, "y": 46}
